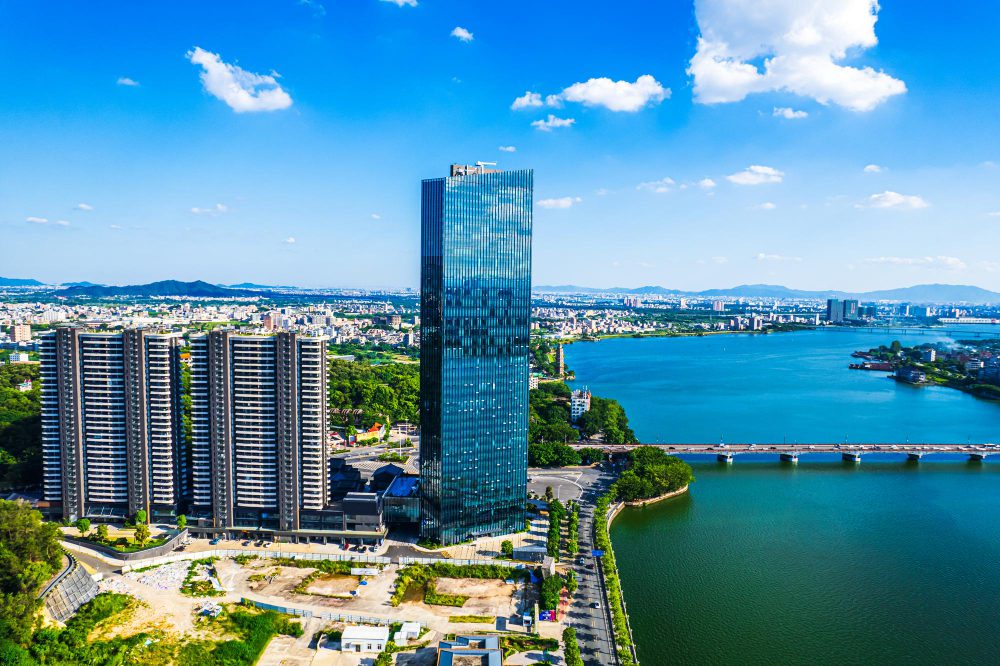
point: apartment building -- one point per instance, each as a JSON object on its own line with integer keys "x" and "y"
{"x": 259, "y": 424}
{"x": 111, "y": 423}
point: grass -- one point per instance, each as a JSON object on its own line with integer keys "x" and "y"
{"x": 200, "y": 588}
{"x": 478, "y": 619}
{"x": 433, "y": 598}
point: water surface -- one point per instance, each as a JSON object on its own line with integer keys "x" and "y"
{"x": 884, "y": 563}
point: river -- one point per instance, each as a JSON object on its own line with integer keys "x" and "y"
{"x": 792, "y": 387}
{"x": 885, "y": 562}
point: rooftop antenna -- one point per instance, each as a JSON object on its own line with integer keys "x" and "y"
{"x": 485, "y": 164}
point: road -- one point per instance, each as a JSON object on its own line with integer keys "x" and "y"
{"x": 593, "y": 625}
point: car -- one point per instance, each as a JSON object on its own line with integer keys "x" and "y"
{"x": 214, "y": 542}
{"x": 267, "y": 545}
{"x": 596, "y": 604}
{"x": 580, "y": 560}
{"x": 246, "y": 543}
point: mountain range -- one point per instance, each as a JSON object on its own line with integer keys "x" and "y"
{"x": 921, "y": 293}
{"x": 197, "y": 289}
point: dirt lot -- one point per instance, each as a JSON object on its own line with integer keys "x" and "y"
{"x": 332, "y": 584}
{"x": 486, "y": 597}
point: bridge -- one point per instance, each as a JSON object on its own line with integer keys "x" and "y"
{"x": 790, "y": 453}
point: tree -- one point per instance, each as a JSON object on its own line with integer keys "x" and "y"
{"x": 102, "y": 533}
{"x": 140, "y": 517}
{"x": 29, "y": 556}
{"x": 507, "y": 549}
{"x": 83, "y": 525}
{"x": 571, "y": 583}
{"x": 182, "y": 521}
{"x": 548, "y": 494}
{"x": 141, "y": 533}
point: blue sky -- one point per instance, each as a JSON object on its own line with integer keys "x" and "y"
{"x": 712, "y": 143}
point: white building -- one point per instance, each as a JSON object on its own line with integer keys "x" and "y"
{"x": 364, "y": 639}
{"x": 579, "y": 403}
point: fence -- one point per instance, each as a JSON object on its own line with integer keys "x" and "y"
{"x": 261, "y": 554}
{"x": 330, "y": 617}
{"x": 403, "y": 561}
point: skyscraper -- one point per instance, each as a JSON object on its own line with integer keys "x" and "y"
{"x": 111, "y": 423}
{"x": 834, "y": 309}
{"x": 475, "y": 326}
{"x": 258, "y": 442}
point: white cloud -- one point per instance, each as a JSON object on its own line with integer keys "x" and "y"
{"x": 756, "y": 175}
{"x": 800, "y": 44}
{"x": 316, "y": 6}
{"x": 83, "y": 206}
{"x": 720, "y": 260}
{"x": 761, "y": 256}
{"x": 290, "y": 240}
{"x": 614, "y": 95}
{"x": 562, "y": 202}
{"x": 873, "y": 168}
{"x": 461, "y": 34}
{"x": 551, "y": 122}
{"x": 126, "y": 81}
{"x": 214, "y": 211}
{"x": 990, "y": 266}
{"x": 116, "y": 227}
{"x": 659, "y": 186}
{"x": 243, "y": 91}
{"x": 44, "y": 220}
{"x": 767, "y": 205}
{"x": 602, "y": 191}
{"x": 995, "y": 213}
{"x": 507, "y": 149}
{"x": 403, "y": 3}
{"x": 706, "y": 183}
{"x": 889, "y": 199}
{"x": 376, "y": 216}
{"x": 940, "y": 261}
{"x": 788, "y": 113}
{"x": 527, "y": 100}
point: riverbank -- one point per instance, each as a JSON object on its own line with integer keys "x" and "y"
{"x": 676, "y": 334}
{"x": 604, "y": 515}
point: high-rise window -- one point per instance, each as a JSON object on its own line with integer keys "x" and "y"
{"x": 475, "y": 316}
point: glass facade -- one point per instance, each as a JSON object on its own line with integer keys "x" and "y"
{"x": 475, "y": 316}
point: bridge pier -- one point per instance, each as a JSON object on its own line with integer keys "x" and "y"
{"x": 978, "y": 456}
{"x": 851, "y": 456}
{"x": 790, "y": 457}
{"x": 914, "y": 456}
{"x": 725, "y": 457}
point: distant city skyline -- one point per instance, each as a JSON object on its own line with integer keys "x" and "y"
{"x": 279, "y": 143}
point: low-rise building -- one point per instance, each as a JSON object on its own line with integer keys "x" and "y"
{"x": 470, "y": 651}
{"x": 911, "y": 375}
{"x": 364, "y": 639}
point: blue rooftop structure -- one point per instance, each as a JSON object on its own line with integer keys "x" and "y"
{"x": 403, "y": 486}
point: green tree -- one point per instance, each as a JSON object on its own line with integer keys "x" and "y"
{"x": 140, "y": 517}
{"x": 83, "y": 525}
{"x": 102, "y": 533}
{"x": 507, "y": 548}
{"x": 182, "y": 521}
{"x": 29, "y": 556}
{"x": 141, "y": 533}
